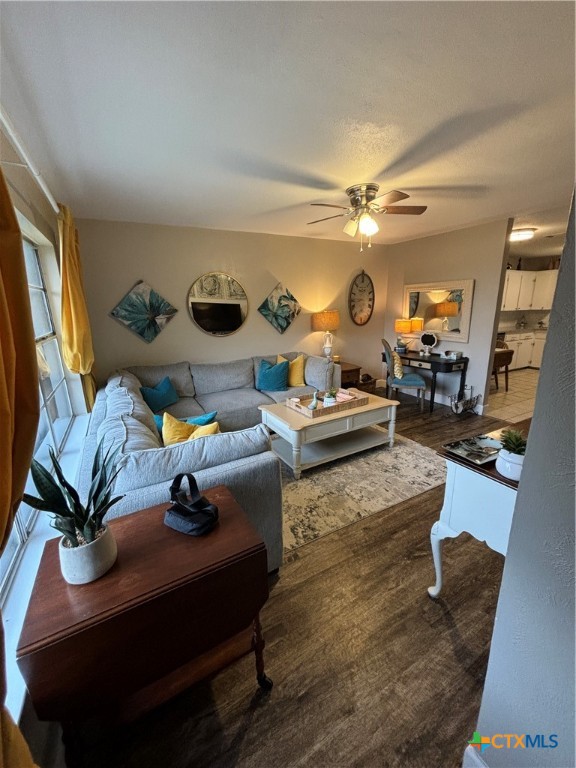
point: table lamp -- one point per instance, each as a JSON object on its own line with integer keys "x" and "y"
{"x": 327, "y": 321}
{"x": 402, "y": 326}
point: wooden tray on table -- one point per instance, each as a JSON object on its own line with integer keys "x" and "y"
{"x": 301, "y": 404}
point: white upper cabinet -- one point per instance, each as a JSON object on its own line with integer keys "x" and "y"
{"x": 527, "y": 289}
{"x": 544, "y": 289}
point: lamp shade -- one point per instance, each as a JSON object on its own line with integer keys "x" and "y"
{"x": 416, "y": 324}
{"x": 447, "y": 309}
{"x": 328, "y": 320}
{"x": 402, "y": 326}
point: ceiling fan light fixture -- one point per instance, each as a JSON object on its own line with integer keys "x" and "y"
{"x": 351, "y": 227}
{"x": 367, "y": 225}
{"x": 519, "y": 235}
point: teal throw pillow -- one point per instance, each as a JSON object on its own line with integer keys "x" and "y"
{"x": 160, "y": 396}
{"x": 273, "y": 378}
{"x": 206, "y": 418}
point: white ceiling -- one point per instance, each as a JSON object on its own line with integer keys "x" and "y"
{"x": 238, "y": 115}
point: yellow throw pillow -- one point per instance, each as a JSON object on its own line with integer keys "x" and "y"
{"x": 397, "y": 365}
{"x": 176, "y": 431}
{"x": 207, "y": 429}
{"x": 295, "y": 370}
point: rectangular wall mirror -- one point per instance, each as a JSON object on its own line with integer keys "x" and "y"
{"x": 445, "y": 308}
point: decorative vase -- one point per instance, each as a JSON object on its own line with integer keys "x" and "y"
{"x": 81, "y": 565}
{"x": 329, "y": 401}
{"x": 314, "y": 403}
{"x": 509, "y": 464}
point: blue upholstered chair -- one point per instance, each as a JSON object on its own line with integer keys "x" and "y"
{"x": 408, "y": 380}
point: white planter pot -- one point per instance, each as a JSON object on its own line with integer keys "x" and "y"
{"x": 509, "y": 464}
{"x": 80, "y": 565}
{"x": 329, "y": 401}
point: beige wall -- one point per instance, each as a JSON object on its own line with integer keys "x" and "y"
{"x": 317, "y": 272}
{"x": 477, "y": 253}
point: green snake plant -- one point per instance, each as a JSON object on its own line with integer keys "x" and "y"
{"x": 513, "y": 441}
{"x": 78, "y": 523}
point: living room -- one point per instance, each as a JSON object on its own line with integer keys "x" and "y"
{"x": 133, "y": 227}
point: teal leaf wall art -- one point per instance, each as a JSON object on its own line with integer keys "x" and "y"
{"x": 144, "y": 311}
{"x": 280, "y": 308}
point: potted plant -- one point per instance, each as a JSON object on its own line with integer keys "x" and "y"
{"x": 87, "y": 548}
{"x": 330, "y": 396}
{"x": 511, "y": 456}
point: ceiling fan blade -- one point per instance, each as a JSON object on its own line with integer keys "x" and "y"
{"x": 329, "y": 205}
{"x": 414, "y": 210}
{"x": 391, "y": 197}
{"x": 327, "y": 217}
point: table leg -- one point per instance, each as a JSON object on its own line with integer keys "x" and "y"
{"x": 392, "y": 427}
{"x": 296, "y": 461}
{"x": 462, "y": 381}
{"x": 432, "y": 391}
{"x": 258, "y": 647}
{"x": 437, "y": 534}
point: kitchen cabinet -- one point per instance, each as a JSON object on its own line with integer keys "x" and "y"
{"x": 522, "y": 344}
{"x": 538, "y": 349}
{"x": 518, "y": 290}
{"x": 528, "y": 289}
{"x": 544, "y": 289}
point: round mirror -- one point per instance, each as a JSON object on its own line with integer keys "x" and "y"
{"x": 217, "y": 304}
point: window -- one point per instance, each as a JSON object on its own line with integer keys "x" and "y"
{"x": 55, "y": 408}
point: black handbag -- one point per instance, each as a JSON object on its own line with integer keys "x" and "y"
{"x": 193, "y": 514}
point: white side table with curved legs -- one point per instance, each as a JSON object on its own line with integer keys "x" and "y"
{"x": 478, "y": 501}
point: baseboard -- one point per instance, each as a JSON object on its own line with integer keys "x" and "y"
{"x": 472, "y": 758}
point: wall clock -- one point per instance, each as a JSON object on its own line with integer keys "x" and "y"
{"x": 361, "y": 299}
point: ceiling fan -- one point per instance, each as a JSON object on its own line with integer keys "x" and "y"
{"x": 364, "y": 204}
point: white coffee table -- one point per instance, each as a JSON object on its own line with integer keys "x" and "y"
{"x": 302, "y": 443}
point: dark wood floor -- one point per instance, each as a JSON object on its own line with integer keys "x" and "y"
{"x": 368, "y": 670}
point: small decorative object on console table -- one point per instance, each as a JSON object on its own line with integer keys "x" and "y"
{"x": 87, "y": 548}
{"x": 511, "y": 456}
{"x": 428, "y": 341}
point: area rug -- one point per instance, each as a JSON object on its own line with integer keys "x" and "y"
{"x": 334, "y": 495}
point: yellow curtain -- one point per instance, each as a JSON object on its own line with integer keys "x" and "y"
{"x": 19, "y": 412}
{"x": 76, "y": 334}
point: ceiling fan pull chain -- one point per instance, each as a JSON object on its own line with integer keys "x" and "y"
{"x": 361, "y": 248}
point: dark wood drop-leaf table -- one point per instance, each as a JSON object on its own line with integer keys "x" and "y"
{"x": 171, "y": 611}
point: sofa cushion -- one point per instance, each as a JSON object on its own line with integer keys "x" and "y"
{"x": 178, "y": 373}
{"x": 160, "y": 396}
{"x": 176, "y": 431}
{"x": 222, "y": 377}
{"x": 122, "y": 401}
{"x": 272, "y": 377}
{"x": 127, "y": 434}
{"x": 295, "y": 370}
{"x": 237, "y": 409}
{"x": 280, "y": 397}
{"x": 186, "y": 406}
{"x": 318, "y": 372}
{"x": 164, "y": 464}
{"x": 122, "y": 378}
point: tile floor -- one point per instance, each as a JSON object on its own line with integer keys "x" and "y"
{"x": 518, "y": 403}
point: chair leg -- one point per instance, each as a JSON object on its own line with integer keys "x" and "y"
{"x": 421, "y": 393}
{"x": 496, "y": 378}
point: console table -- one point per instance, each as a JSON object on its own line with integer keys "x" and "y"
{"x": 436, "y": 364}
{"x": 477, "y": 500}
{"x": 172, "y": 610}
